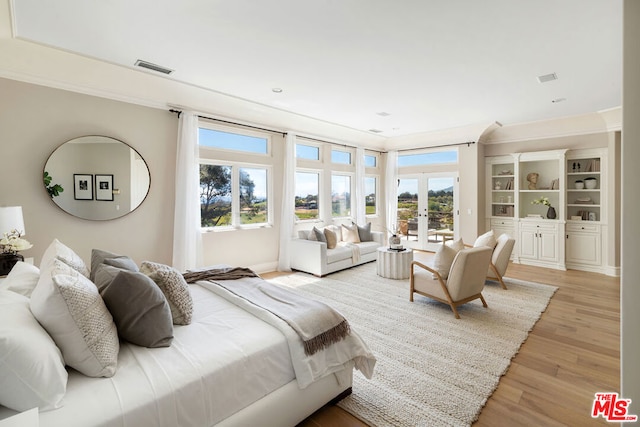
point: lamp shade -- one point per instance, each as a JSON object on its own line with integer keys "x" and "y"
{"x": 11, "y": 219}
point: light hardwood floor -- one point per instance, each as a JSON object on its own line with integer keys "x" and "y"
{"x": 571, "y": 353}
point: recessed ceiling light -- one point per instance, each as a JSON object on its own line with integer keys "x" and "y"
{"x": 375, "y": 130}
{"x": 153, "y": 67}
{"x": 383, "y": 114}
{"x": 276, "y": 90}
{"x": 558, "y": 100}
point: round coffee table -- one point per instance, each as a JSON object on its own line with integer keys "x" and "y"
{"x": 394, "y": 264}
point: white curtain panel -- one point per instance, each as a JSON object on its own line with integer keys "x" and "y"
{"x": 187, "y": 238}
{"x": 391, "y": 189}
{"x": 287, "y": 220}
{"x": 361, "y": 213}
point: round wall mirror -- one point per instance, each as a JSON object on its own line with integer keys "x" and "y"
{"x": 96, "y": 177}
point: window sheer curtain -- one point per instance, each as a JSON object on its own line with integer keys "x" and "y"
{"x": 187, "y": 238}
{"x": 361, "y": 208}
{"x": 287, "y": 220}
{"x": 391, "y": 189}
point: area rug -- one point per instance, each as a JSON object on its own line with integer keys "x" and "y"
{"x": 432, "y": 369}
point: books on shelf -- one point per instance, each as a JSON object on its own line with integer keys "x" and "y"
{"x": 593, "y": 165}
{"x": 509, "y": 185}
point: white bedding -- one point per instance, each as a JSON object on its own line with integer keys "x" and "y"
{"x": 195, "y": 382}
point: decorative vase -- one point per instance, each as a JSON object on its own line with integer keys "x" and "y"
{"x": 551, "y": 212}
{"x": 7, "y": 261}
{"x": 590, "y": 183}
{"x": 394, "y": 241}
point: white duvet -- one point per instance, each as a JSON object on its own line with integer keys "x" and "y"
{"x": 223, "y": 362}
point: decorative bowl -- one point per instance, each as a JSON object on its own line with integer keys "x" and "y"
{"x": 590, "y": 183}
{"x": 579, "y": 185}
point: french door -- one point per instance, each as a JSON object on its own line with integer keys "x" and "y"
{"x": 427, "y": 209}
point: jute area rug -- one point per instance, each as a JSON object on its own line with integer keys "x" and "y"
{"x": 432, "y": 369}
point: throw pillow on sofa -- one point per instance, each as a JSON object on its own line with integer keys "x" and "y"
{"x": 364, "y": 232}
{"x": 330, "y": 237}
{"x": 350, "y": 234}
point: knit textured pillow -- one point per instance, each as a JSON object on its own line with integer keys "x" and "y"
{"x": 174, "y": 288}
{"x": 69, "y": 307}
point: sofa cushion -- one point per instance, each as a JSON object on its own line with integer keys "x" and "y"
{"x": 368, "y": 247}
{"x": 338, "y": 254}
{"x": 331, "y": 237}
{"x": 350, "y": 233}
{"x": 364, "y": 232}
{"x": 320, "y": 237}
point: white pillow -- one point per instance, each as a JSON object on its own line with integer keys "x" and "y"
{"x": 32, "y": 371}
{"x": 487, "y": 239}
{"x": 69, "y": 307}
{"x": 350, "y": 233}
{"x": 22, "y": 278}
{"x": 445, "y": 254}
{"x": 57, "y": 250}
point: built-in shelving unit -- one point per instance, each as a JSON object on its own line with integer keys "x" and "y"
{"x": 573, "y": 182}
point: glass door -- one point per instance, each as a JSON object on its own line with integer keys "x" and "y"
{"x": 427, "y": 209}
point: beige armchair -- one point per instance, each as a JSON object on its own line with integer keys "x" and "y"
{"x": 500, "y": 258}
{"x": 464, "y": 283}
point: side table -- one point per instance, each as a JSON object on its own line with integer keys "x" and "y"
{"x": 394, "y": 264}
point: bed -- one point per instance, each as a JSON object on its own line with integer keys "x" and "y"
{"x": 234, "y": 364}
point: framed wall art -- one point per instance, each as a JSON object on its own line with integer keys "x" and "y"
{"x": 104, "y": 187}
{"x": 82, "y": 186}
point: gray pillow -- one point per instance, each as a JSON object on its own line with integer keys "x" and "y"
{"x": 139, "y": 309}
{"x": 104, "y": 274}
{"x": 365, "y": 232}
{"x": 98, "y": 256}
{"x": 319, "y": 235}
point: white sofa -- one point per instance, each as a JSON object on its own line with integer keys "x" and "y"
{"x": 312, "y": 256}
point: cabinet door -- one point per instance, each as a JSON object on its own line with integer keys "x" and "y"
{"x": 583, "y": 248}
{"x": 528, "y": 244}
{"x": 548, "y": 246}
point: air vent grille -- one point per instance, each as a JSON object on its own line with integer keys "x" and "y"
{"x": 547, "y": 78}
{"x": 153, "y": 67}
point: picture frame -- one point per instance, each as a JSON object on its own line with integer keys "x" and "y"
{"x": 104, "y": 187}
{"x": 592, "y": 216}
{"x": 82, "y": 186}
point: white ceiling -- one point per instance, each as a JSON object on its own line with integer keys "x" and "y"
{"x": 430, "y": 65}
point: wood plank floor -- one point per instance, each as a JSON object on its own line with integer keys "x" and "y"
{"x": 571, "y": 353}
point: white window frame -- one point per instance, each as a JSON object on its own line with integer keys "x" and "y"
{"x": 320, "y": 174}
{"x": 352, "y": 178}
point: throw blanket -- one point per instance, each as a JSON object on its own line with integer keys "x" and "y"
{"x": 355, "y": 251}
{"x": 317, "y": 324}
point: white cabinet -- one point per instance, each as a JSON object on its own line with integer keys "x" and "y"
{"x": 539, "y": 243}
{"x": 584, "y": 246}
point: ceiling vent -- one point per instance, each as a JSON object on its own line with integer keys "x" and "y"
{"x": 375, "y": 130}
{"x": 153, "y": 67}
{"x": 547, "y": 78}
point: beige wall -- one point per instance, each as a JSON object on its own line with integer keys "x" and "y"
{"x": 35, "y": 120}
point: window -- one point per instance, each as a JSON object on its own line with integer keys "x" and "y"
{"x": 253, "y": 196}
{"x": 340, "y": 195}
{"x": 370, "y": 161}
{"x": 370, "y": 183}
{"x": 232, "y": 141}
{"x": 341, "y": 157}
{"x": 215, "y": 195}
{"x": 308, "y": 152}
{"x": 235, "y": 178}
{"x": 307, "y": 192}
{"x": 431, "y": 158}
